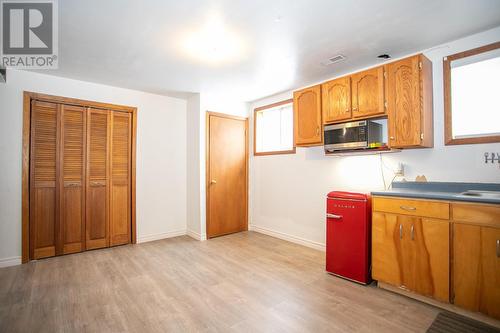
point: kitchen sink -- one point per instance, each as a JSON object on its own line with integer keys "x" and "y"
{"x": 480, "y": 194}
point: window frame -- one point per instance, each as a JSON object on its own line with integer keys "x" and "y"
{"x": 448, "y": 130}
{"x": 275, "y": 152}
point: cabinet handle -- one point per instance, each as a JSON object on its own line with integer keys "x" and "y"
{"x": 354, "y": 109}
{"x": 498, "y": 248}
{"x": 408, "y": 208}
{"x": 400, "y": 231}
{"x": 412, "y": 232}
{"x": 317, "y": 130}
{"x": 392, "y": 138}
{"x": 346, "y": 110}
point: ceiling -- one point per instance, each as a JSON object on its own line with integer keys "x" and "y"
{"x": 281, "y": 43}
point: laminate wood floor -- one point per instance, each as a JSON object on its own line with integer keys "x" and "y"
{"x": 246, "y": 282}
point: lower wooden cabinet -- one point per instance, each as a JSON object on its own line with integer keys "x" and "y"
{"x": 411, "y": 252}
{"x": 476, "y": 273}
{"x": 449, "y": 251}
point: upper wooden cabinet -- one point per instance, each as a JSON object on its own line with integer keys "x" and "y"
{"x": 336, "y": 100}
{"x": 409, "y": 102}
{"x": 307, "y": 116}
{"x": 368, "y": 93}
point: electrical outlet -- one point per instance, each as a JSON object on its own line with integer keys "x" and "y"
{"x": 400, "y": 170}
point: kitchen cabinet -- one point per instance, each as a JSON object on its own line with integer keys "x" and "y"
{"x": 412, "y": 253}
{"x": 368, "y": 97}
{"x": 307, "y": 117}
{"x": 476, "y": 258}
{"x": 409, "y": 102}
{"x": 358, "y": 96}
{"x": 336, "y": 100}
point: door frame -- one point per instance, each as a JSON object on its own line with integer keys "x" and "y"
{"x": 207, "y": 165}
{"x": 28, "y": 97}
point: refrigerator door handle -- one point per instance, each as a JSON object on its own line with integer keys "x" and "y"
{"x": 333, "y": 216}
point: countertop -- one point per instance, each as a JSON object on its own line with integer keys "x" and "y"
{"x": 441, "y": 191}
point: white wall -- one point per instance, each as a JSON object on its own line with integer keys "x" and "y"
{"x": 287, "y": 196}
{"x": 161, "y": 154}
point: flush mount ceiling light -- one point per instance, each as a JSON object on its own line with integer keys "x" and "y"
{"x": 213, "y": 42}
{"x": 334, "y": 60}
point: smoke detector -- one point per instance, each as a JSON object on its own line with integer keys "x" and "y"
{"x": 334, "y": 60}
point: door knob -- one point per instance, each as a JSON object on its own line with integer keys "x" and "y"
{"x": 213, "y": 181}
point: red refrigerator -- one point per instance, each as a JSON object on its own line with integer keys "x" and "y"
{"x": 348, "y": 236}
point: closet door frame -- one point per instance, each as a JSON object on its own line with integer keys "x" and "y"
{"x": 28, "y": 97}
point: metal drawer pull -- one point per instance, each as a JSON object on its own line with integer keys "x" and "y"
{"x": 409, "y": 208}
{"x": 333, "y": 216}
{"x": 412, "y": 232}
{"x": 498, "y": 248}
{"x": 400, "y": 231}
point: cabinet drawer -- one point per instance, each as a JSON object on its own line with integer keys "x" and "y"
{"x": 488, "y": 215}
{"x": 424, "y": 208}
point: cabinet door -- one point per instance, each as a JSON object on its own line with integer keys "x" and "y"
{"x": 97, "y": 194}
{"x": 412, "y": 253}
{"x": 403, "y": 103}
{"x": 368, "y": 93}
{"x": 431, "y": 274}
{"x": 476, "y": 269}
{"x": 120, "y": 178}
{"x": 336, "y": 100}
{"x": 387, "y": 259}
{"x": 72, "y": 181}
{"x": 44, "y": 219}
{"x": 307, "y": 116}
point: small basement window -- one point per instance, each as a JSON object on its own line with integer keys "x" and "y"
{"x": 273, "y": 129}
{"x": 472, "y": 111}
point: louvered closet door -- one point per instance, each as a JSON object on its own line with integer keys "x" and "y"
{"x": 44, "y": 220}
{"x": 72, "y": 183}
{"x": 120, "y": 178}
{"x": 97, "y": 217}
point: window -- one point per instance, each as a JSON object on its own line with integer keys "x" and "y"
{"x": 472, "y": 110}
{"x": 273, "y": 129}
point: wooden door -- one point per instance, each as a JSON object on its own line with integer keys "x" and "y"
{"x": 72, "y": 179}
{"x": 431, "y": 274}
{"x": 412, "y": 253}
{"x": 120, "y": 178}
{"x": 336, "y": 98}
{"x": 368, "y": 93}
{"x": 307, "y": 116}
{"x": 97, "y": 180}
{"x": 404, "y": 103}
{"x": 476, "y": 268}
{"x": 44, "y": 217}
{"x": 227, "y": 175}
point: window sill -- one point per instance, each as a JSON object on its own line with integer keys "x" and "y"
{"x": 279, "y": 152}
{"x": 469, "y": 141}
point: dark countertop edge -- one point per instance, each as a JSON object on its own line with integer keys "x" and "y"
{"x": 434, "y": 196}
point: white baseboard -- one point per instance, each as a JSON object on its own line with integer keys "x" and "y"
{"x": 13, "y": 261}
{"x": 196, "y": 235}
{"x": 288, "y": 237}
{"x": 150, "y": 238}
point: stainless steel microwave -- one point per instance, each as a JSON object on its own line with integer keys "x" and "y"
{"x": 352, "y": 135}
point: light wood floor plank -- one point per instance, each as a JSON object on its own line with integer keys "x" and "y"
{"x": 246, "y": 282}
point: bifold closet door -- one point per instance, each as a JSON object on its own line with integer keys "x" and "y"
{"x": 97, "y": 216}
{"x": 44, "y": 217}
{"x": 120, "y": 178}
{"x": 71, "y": 183}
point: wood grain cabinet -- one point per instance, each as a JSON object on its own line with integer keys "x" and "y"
{"x": 307, "y": 117}
{"x": 368, "y": 98}
{"x": 412, "y": 253}
{"x": 409, "y": 102}
{"x": 336, "y": 98}
{"x": 476, "y": 258}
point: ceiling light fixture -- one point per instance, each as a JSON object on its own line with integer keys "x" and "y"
{"x": 213, "y": 42}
